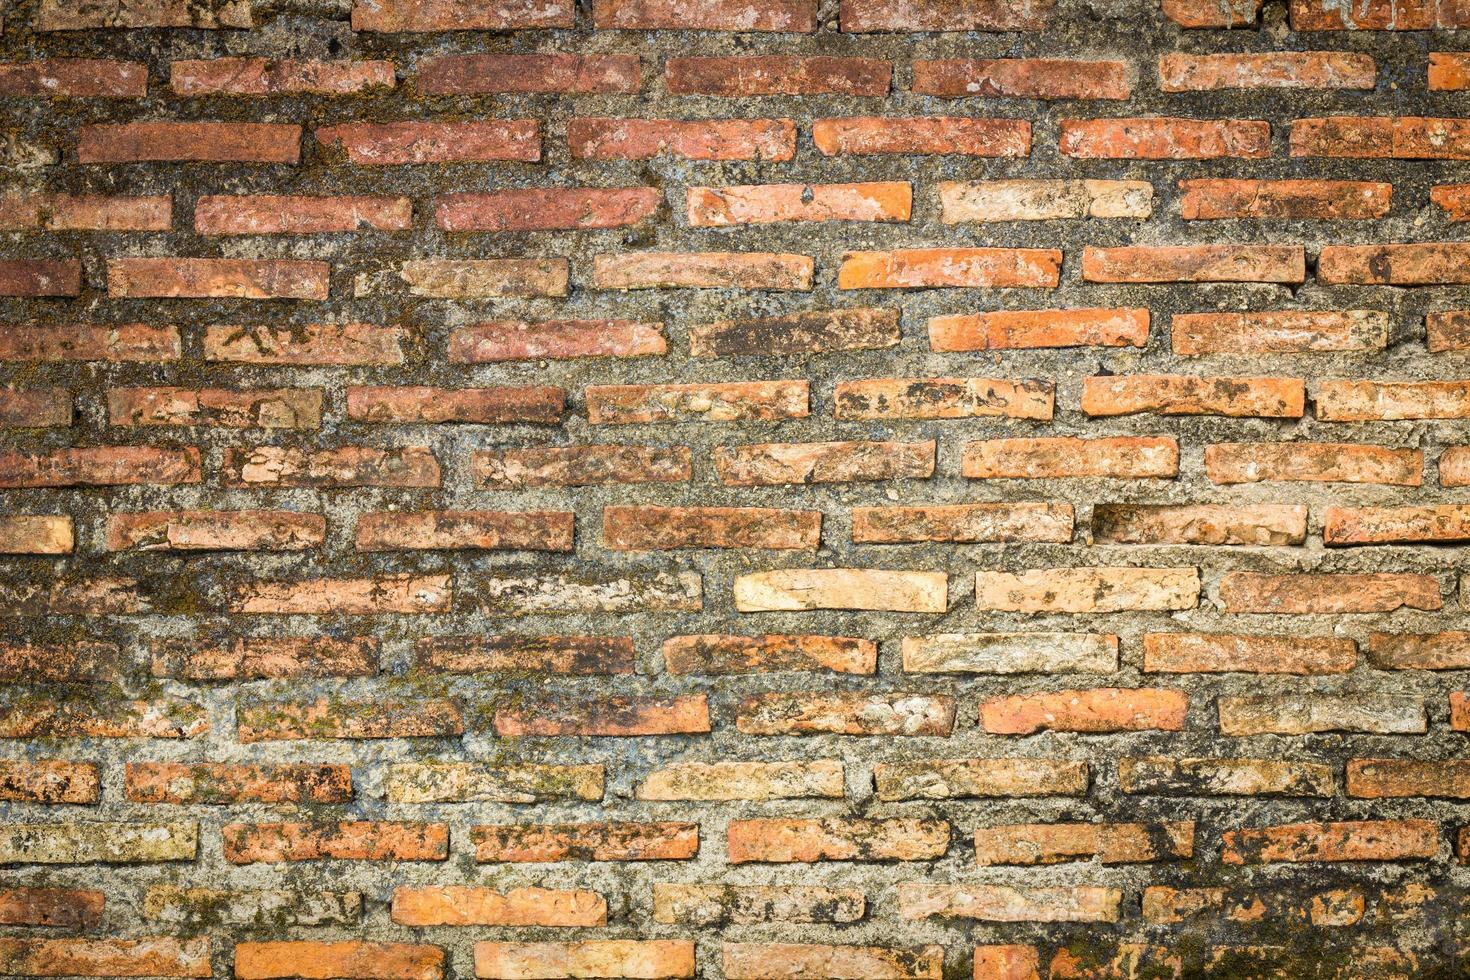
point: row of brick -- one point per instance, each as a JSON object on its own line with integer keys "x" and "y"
{"x": 781, "y": 16}
{"x": 771, "y": 140}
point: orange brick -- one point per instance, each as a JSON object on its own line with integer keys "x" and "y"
{"x": 40, "y": 277}
{"x": 1165, "y": 138}
{"x": 920, "y": 268}
{"x": 963, "y": 135}
{"x": 217, "y": 279}
{"x": 299, "y": 214}
{"x": 209, "y": 142}
{"x": 252, "y": 658}
{"x": 615, "y": 716}
{"x": 35, "y": 408}
{"x": 261, "y": 408}
{"x": 1212, "y": 13}
{"x": 1378, "y": 15}
{"x": 71, "y": 15}
{"x": 836, "y": 839}
{"x": 873, "y": 16}
{"x": 1098, "y": 711}
{"x": 460, "y": 905}
{"x": 585, "y": 842}
{"x": 360, "y": 840}
{"x": 1449, "y": 71}
{"x": 1009, "y": 962}
{"x": 1362, "y": 401}
{"x": 1430, "y": 264}
{"x": 1348, "y": 840}
{"x": 387, "y": 144}
{"x": 122, "y": 343}
{"x": 345, "y": 596}
{"x": 1449, "y": 650}
{"x": 759, "y": 204}
{"x": 315, "y": 960}
{"x": 770, "y": 140}
{"x": 101, "y": 466}
{"x": 747, "y": 75}
{"x": 161, "y": 718}
{"x": 756, "y": 961}
{"x": 1026, "y": 329}
{"x": 154, "y": 956}
{"x": 85, "y": 212}
{"x": 1121, "y": 458}
{"x": 569, "y": 74}
{"x": 265, "y": 76}
{"x": 1187, "y": 395}
{"x": 1304, "y": 594}
{"x": 962, "y": 523}
{"x": 335, "y": 344}
{"x": 739, "y": 401}
{"x": 348, "y": 466}
{"x": 482, "y": 406}
{"x": 1022, "y": 78}
{"x": 1443, "y": 523}
{"x": 515, "y": 340}
{"x": 1397, "y": 778}
{"x": 215, "y": 530}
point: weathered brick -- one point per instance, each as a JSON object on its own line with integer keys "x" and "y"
{"x": 254, "y": 658}
{"x": 575, "y": 466}
{"x": 1453, "y": 200}
{"x": 743, "y": 781}
{"x": 75, "y": 595}
{"x": 265, "y": 76}
{"x": 74, "y": 78}
{"x": 1180, "y": 72}
{"x": 1088, "y": 590}
{"x": 1454, "y": 466}
{"x": 747, "y": 75}
{"x": 346, "y": 596}
{"x": 725, "y": 654}
{"x": 1459, "y": 711}
{"x": 647, "y": 528}
{"x": 1212, "y": 13}
{"x": 277, "y": 721}
{"x": 1392, "y": 778}
{"x": 814, "y": 713}
{"x": 1429, "y": 264}
{"x": 836, "y": 839}
{"x": 1361, "y": 401}
{"x": 1330, "y": 594}
{"x": 642, "y": 592}
{"x": 75, "y": 15}
{"x": 347, "y": 466}
{"x": 357, "y": 840}
{"x": 217, "y": 279}
{"x": 615, "y": 716}
{"x": 85, "y": 660}
{"x": 947, "y": 779}
{"x": 715, "y": 905}
{"x": 538, "y": 843}
{"x": 1449, "y": 650}
{"x": 812, "y": 332}
{"x": 1164, "y": 138}
{"x": 223, "y": 784}
{"x": 1381, "y": 137}
{"x": 1026, "y": 329}
{"x": 962, "y": 135}
{"x": 62, "y": 908}
{"x": 461, "y": 905}
{"x": 101, "y": 466}
{"x": 49, "y": 781}
{"x": 1323, "y": 200}
{"x": 1122, "y": 458}
{"x": 1317, "y": 713}
{"x": 962, "y": 523}
{"x": 1378, "y": 15}
{"x": 155, "y": 956}
{"x": 795, "y": 589}
{"x": 207, "y": 142}
{"x": 98, "y": 842}
{"x": 472, "y": 279}
{"x": 491, "y": 530}
{"x": 871, "y": 16}
{"x": 922, "y": 268}
{"x": 1195, "y": 263}
{"x": 588, "y": 958}
{"x": 1009, "y": 653}
{"x": 738, "y": 401}
{"x": 122, "y": 343}
{"x": 1108, "y": 843}
{"x": 466, "y": 782}
{"x": 1097, "y": 711}
{"x": 1003, "y": 903}
{"x": 772, "y": 140}
{"x": 35, "y": 408}
{"x": 1022, "y": 78}
{"x": 1444, "y": 523}
{"x": 85, "y": 212}
{"x": 1223, "y": 653}
{"x": 547, "y": 209}
{"x": 774, "y": 464}
{"x": 395, "y": 143}
{"x": 1348, "y": 840}
{"x": 761, "y": 204}
{"x": 1165, "y": 394}
{"x": 40, "y": 277}
{"x": 1043, "y": 200}
{"x": 326, "y": 344}
{"x": 32, "y": 718}
{"x": 1001, "y": 961}
{"x": 703, "y": 270}
{"x": 564, "y": 73}
{"x": 481, "y": 406}
{"x": 394, "y": 16}
{"x": 317, "y": 960}
{"x": 1449, "y": 71}
{"x": 211, "y": 907}
{"x": 215, "y": 530}
{"x": 299, "y": 214}
{"x": 1448, "y": 331}
{"x": 1284, "y": 332}
{"x": 783, "y": 16}
{"x": 1224, "y": 777}
{"x": 944, "y": 398}
{"x": 1206, "y": 524}
{"x": 1321, "y": 462}
{"x": 261, "y": 408}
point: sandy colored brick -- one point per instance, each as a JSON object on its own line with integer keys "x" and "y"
{"x": 1043, "y": 200}
{"x": 962, "y": 523}
{"x": 1160, "y": 776}
{"x": 760, "y": 204}
{"x": 1022, "y": 78}
{"x": 575, "y": 466}
{"x": 836, "y": 839}
{"x": 1107, "y": 843}
{"x": 485, "y": 530}
{"x": 1348, "y": 840}
{"x": 816, "y": 713}
{"x": 658, "y": 958}
{"x": 718, "y": 905}
{"x": 327, "y": 344}
{"x": 259, "y": 408}
{"x": 1194, "y": 264}
{"x": 1165, "y": 394}
{"x": 649, "y": 528}
{"x": 49, "y": 781}
{"x": 1120, "y": 458}
{"x": 1279, "y": 332}
{"x": 197, "y": 907}
{"x": 483, "y": 782}
{"x": 1199, "y": 524}
{"x": 1396, "y": 778}
{"x": 1180, "y": 72}
{"x": 215, "y": 530}
{"x": 1449, "y": 650}
{"x": 743, "y": 781}
{"x": 167, "y": 718}
{"x": 1286, "y": 714}
{"x": 1003, "y": 903}
{"x": 254, "y": 658}
{"x": 1313, "y": 462}
{"x": 396, "y": 143}
{"x": 949, "y": 779}
{"x": 1009, "y": 653}
{"x": 344, "y": 466}
{"x": 1330, "y": 594}
{"x": 273, "y": 721}
{"x": 927, "y": 268}
{"x": 703, "y": 270}
{"x": 1088, "y": 590}
{"x": 520, "y": 340}
{"x": 153, "y": 956}
{"x": 602, "y": 592}
{"x": 776, "y": 464}
{"x": 98, "y": 842}
{"x": 795, "y": 589}
{"x": 299, "y": 214}
{"x": 1222, "y": 653}
{"x": 1165, "y": 138}
{"x": 473, "y": 279}
{"x": 101, "y": 466}
{"x": 36, "y": 534}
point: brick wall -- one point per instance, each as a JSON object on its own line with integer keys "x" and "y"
{"x": 734, "y": 488}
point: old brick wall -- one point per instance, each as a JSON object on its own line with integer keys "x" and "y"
{"x": 734, "y": 488}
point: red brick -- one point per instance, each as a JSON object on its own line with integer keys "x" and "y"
{"x": 585, "y": 842}
{"x": 774, "y": 464}
{"x": 784, "y": 16}
{"x": 567, "y": 74}
{"x": 1187, "y": 395}
{"x": 1022, "y": 78}
{"x": 76, "y": 15}
{"x": 759, "y": 204}
{"x": 275, "y": 214}
{"x": 921, "y": 268}
{"x": 1320, "y": 462}
{"x": 151, "y": 957}
{"x": 160, "y": 718}
{"x": 1448, "y": 71}
{"x": 593, "y": 957}
{"x": 1279, "y": 332}
{"x": 647, "y": 528}
{"x": 1028, "y": 329}
{"x": 85, "y": 212}
{"x": 748, "y": 75}
{"x": 123, "y": 343}
{"x": 62, "y": 908}
{"x": 293, "y": 721}
{"x": 460, "y": 905}
{"x": 1107, "y": 843}
{"x": 481, "y": 406}
{"x": 1430, "y": 264}
{"x": 519, "y": 340}
{"x": 1212, "y": 13}
{"x": 74, "y": 78}
{"x": 1119, "y": 458}
{"x": 48, "y": 781}
{"x": 265, "y": 76}
{"x": 1381, "y": 137}
{"x": 1324, "y": 200}
{"x": 35, "y": 408}
{"x": 865, "y": 135}
{"x": 1195, "y": 263}
{"x": 1216, "y": 653}
{"x": 1440, "y": 524}
{"x": 737, "y": 401}
{"x": 40, "y": 277}
{"x": 703, "y": 270}
{"x": 1097, "y": 711}
{"x": 386, "y": 144}
{"x": 394, "y": 16}
{"x": 520, "y": 654}
{"x": 716, "y": 654}
{"x": 217, "y": 278}
{"x": 943, "y": 398}
{"x": 836, "y": 839}
{"x": 617, "y": 716}
{"x": 223, "y": 784}
{"x": 872, "y": 16}
{"x": 1378, "y": 15}
{"x": 346, "y": 466}
{"x": 962, "y": 523}
{"x": 771, "y": 140}
{"x": 538, "y": 209}
{"x": 1303, "y": 594}
{"x": 360, "y": 840}
{"x": 261, "y": 408}
{"x": 314, "y": 960}
{"x": 1262, "y": 525}
{"x": 493, "y": 530}
{"x": 346, "y": 596}
{"x": 215, "y": 530}
{"x": 1164, "y": 138}
{"x": 208, "y": 142}
{"x": 100, "y": 466}
{"x": 58, "y": 662}
{"x": 252, "y": 658}
{"x": 576, "y": 466}
{"x": 1361, "y": 401}
{"x": 821, "y": 713}
{"x": 1348, "y": 840}
{"x": 1179, "y": 72}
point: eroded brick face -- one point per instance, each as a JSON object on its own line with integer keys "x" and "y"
{"x": 736, "y": 489}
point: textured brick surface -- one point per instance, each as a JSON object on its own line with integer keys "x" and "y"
{"x": 747, "y": 489}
